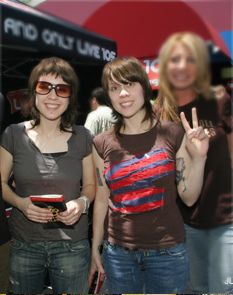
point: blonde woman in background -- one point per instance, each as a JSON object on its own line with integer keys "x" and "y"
{"x": 184, "y": 84}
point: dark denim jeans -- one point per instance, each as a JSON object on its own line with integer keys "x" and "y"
{"x": 67, "y": 264}
{"x": 145, "y": 271}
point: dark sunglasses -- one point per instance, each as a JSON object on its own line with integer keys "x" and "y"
{"x": 62, "y": 90}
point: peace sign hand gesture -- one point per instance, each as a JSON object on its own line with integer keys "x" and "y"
{"x": 197, "y": 141}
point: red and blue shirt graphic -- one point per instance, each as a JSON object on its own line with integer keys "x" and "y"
{"x": 133, "y": 182}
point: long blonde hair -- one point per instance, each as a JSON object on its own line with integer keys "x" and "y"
{"x": 166, "y": 104}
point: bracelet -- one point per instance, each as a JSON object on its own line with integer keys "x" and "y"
{"x": 86, "y": 203}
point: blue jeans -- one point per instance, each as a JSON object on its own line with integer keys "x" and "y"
{"x": 211, "y": 259}
{"x": 145, "y": 271}
{"x": 66, "y": 263}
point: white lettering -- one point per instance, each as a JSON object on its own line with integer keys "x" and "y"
{"x": 47, "y": 37}
{"x": 229, "y": 281}
{"x": 154, "y": 82}
{"x": 85, "y": 48}
{"x": 20, "y": 29}
{"x": 154, "y": 66}
{"x": 108, "y": 55}
{"x": 151, "y": 65}
{"x": 56, "y": 39}
{"x": 147, "y": 63}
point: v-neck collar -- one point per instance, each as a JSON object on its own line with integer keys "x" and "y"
{"x": 37, "y": 148}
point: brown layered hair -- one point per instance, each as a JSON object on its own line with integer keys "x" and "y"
{"x": 59, "y": 68}
{"x": 125, "y": 70}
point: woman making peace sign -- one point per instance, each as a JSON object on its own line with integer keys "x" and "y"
{"x": 140, "y": 164}
{"x": 185, "y": 77}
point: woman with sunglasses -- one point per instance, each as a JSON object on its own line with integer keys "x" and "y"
{"x": 135, "y": 210}
{"x": 49, "y": 155}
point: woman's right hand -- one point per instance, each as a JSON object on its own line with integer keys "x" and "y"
{"x": 96, "y": 266}
{"x": 33, "y": 212}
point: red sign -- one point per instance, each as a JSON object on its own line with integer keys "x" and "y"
{"x": 152, "y": 69}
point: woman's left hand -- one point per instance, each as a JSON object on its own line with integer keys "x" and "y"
{"x": 197, "y": 141}
{"x": 73, "y": 212}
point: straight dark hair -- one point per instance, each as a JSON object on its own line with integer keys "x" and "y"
{"x": 59, "y": 68}
{"x": 125, "y": 70}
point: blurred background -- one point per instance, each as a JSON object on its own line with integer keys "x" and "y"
{"x": 90, "y": 33}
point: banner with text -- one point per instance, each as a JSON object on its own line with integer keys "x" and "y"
{"x": 36, "y": 31}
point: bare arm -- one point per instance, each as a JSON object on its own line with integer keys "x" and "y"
{"x": 189, "y": 175}
{"x": 88, "y": 179}
{"x": 100, "y": 211}
{"x": 190, "y": 160}
{"x": 25, "y": 205}
{"x": 101, "y": 202}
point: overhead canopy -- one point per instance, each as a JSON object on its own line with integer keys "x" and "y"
{"x": 27, "y": 33}
{"x": 140, "y": 27}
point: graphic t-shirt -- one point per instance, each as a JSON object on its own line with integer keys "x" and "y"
{"x": 215, "y": 204}
{"x": 140, "y": 173}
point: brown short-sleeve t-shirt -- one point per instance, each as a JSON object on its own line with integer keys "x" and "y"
{"x": 140, "y": 173}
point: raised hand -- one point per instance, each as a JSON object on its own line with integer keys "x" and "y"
{"x": 197, "y": 141}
